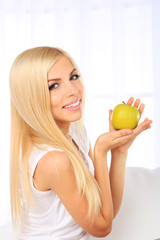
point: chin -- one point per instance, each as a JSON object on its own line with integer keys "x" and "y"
{"x": 69, "y": 119}
{"x": 76, "y": 118}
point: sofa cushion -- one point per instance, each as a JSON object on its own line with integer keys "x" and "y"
{"x": 139, "y": 215}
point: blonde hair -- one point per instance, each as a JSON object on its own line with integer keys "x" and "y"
{"x": 32, "y": 124}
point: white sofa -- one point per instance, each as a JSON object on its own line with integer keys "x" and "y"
{"x": 139, "y": 215}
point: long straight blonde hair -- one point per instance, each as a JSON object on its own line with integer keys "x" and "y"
{"x": 32, "y": 124}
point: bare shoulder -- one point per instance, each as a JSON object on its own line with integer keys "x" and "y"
{"x": 52, "y": 165}
{"x": 56, "y": 160}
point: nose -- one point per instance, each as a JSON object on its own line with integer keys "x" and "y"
{"x": 70, "y": 89}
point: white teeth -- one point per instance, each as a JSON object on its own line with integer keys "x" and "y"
{"x": 73, "y": 105}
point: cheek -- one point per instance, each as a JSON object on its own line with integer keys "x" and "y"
{"x": 81, "y": 88}
{"x": 55, "y": 100}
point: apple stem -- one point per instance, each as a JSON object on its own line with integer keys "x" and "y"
{"x": 124, "y": 103}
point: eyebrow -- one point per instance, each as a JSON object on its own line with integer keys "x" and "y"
{"x": 58, "y": 79}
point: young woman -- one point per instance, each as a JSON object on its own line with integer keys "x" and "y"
{"x": 60, "y": 189}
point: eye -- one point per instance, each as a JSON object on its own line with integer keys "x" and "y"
{"x": 74, "y": 77}
{"x": 53, "y": 86}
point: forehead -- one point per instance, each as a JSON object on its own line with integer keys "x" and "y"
{"x": 62, "y": 65}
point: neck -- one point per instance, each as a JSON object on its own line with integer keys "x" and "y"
{"x": 65, "y": 130}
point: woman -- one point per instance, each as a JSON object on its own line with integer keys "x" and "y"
{"x": 60, "y": 189}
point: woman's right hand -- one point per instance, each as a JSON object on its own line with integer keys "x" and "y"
{"x": 110, "y": 140}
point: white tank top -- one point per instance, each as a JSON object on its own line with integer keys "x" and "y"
{"x": 49, "y": 219}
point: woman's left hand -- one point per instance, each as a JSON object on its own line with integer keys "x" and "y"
{"x": 146, "y": 124}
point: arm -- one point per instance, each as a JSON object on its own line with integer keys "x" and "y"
{"x": 101, "y": 174}
{"x": 119, "y": 156}
{"x": 117, "y": 178}
{"x": 54, "y": 171}
{"x": 117, "y": 168}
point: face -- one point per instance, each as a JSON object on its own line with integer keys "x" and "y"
{"x": 66, "y": 92}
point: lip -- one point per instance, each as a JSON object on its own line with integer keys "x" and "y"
{"x": 72, "y": 102}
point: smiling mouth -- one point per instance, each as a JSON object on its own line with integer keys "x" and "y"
{"x": 73, "y": 105}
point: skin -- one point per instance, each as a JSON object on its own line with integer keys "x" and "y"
{"x": 65, "y": 86}
{"x": 55, "y": 168}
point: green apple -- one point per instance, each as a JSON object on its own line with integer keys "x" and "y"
{"x": 125, "y": 116}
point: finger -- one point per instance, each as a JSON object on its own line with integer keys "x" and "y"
{"x": 137, "y": 102}
{"x": 110, "y": 114}
{"x": 116, "y": 138}
{"x": 141, "y": 108}
{"x": 121, "y": 133}
{"x": 146, "y": 128}
{"x": 149, "y": 125}
{"x": 110, "y": 120}
{"x": 130, "y": 101}
{"x": 143, "y": 126}
{"x": 121, "y": 140}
